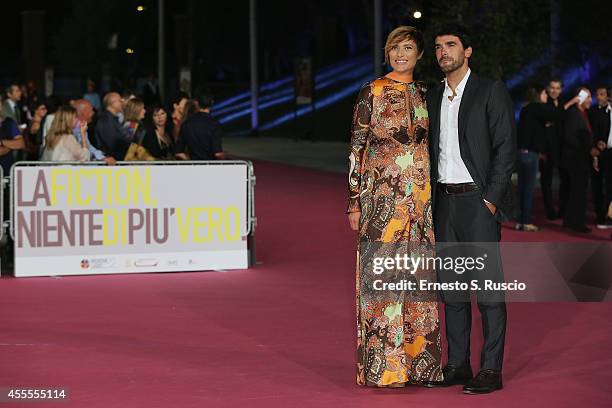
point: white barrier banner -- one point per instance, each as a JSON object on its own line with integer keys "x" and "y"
{"x": 81, "y": 220}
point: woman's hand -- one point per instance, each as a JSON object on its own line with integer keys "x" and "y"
{"x": 354, "y": 220}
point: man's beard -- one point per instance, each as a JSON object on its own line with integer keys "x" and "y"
{"x": 451, "y": 67}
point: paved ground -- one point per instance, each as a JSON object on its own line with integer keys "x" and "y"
{"x": 330, "y": 156}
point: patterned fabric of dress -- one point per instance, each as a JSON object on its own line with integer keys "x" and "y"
{"x": 398, "y": 339}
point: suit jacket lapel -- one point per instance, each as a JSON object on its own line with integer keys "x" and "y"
{"x": 467, "y": 101}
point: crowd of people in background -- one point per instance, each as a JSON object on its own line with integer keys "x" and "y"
{"x": 110, "y": 128}
{"x": 573, "y": 138}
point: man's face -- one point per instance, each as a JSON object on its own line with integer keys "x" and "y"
{"x": 115, "y": 103}
{"x": 15, "y": 93}
{"x": 87, "y": 113}
{"x": 450, "y": 53}
{"x": 554, "y": 89}
{"x": 602, "y": 96}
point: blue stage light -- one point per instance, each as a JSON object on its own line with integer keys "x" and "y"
{"x": 528, "y": 71}
{"x": 325, "y": 73}
{"x": 346, "y": 91}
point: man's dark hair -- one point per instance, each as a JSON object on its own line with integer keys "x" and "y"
{"x": 9, "y": 88}
{"x": 559, "y": 80}
{"x": 204, "y": 99}
{"x": 458, "y": 31}
{"x": 601, "y": 86}
{"x": 533, "y": 93}
{"x": 179, "y": 97}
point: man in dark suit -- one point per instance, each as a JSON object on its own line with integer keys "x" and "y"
{"x": 600, "y": 117}
{"x": 579, "y": 157}
{"x": 111, "y": 137}
{"x": 554, "y": 143}
{"x": 10, "y": 108}
{"x": 472, "y": 152}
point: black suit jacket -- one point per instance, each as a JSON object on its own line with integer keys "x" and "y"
{"x": 578, "y": 142}
{"x": 600, "y": 123}
{"x": 111, "y": 137}
{"x": 554, "y": 133}
{"x": 531, "y": 129}
{"x": 487, "y": 139}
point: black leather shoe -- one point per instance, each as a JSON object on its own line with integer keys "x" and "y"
{"x": 453, "y": 375}
{"x": 485, "y": 382}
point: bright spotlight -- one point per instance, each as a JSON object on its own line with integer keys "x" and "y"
{"x": 417, "y": 14}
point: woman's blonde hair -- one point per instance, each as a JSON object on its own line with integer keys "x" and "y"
{"x": 61, "y": 125}
{"x": 403, "y": 33}
{"x": 133, "y": 109}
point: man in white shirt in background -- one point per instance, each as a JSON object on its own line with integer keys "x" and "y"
{"x": 600, "y": 117}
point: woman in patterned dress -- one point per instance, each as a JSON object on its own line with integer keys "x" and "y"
{"x": 390, "y": 205}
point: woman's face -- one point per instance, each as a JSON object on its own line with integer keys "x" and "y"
{"x": 159, "y": 118}
{"x": 142, "y": 114}
{"x": 543, "y": 96}
{"x": 73, "y": 122}
{"x": 41, "y": 111}
{"x": 180, "y": 107}
{"x": 403, "y": 57}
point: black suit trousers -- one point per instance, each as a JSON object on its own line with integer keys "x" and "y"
{"x": 464, "y": 218}
{"x": 546, "y": 181}
{"x": 575, "y": 212}
{"x": 601, "y": 185}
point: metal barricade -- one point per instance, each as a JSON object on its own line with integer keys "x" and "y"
{"x": 250, "y": 218}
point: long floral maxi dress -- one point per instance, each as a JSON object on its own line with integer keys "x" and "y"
{"x": 398, "y": 339}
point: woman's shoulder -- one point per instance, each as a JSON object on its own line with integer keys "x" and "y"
{"x": 67, "y": 138}
{"x": 385, "y": 81}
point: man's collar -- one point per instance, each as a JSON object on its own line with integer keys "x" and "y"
{"x": 460, "y": 88}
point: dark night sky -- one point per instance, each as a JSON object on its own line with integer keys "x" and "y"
{"x": 220, "y": 46}
{"x": 220, "y": 31}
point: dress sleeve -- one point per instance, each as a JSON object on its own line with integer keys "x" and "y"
{"x": 360, "y": 130}
{"x": 78, "y": 152}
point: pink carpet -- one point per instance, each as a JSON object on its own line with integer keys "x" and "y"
{"x": 279, "y": 335}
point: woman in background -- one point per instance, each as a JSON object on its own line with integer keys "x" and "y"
{"x": 133, "y": 115}
{"x": 35, "y": 133}
{"x": 178, "y": 112}
{"x": 534, "y": 117}
{"x": 158, "y": 138}
{"x": 61, "y": 145}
